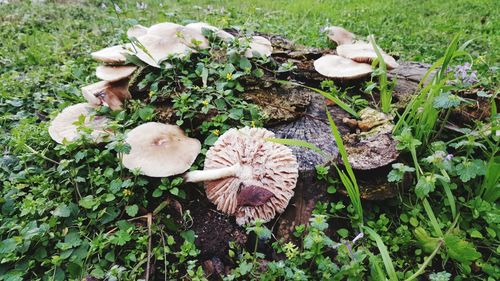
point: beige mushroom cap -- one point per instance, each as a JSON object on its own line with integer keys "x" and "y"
{"x": 112, "y": 55}
{"x": 111, "y": 94}
{"x": 114, "y": 73}
{"x": 159, "y": 48}
{"x": 340, "y": 35}
{"x": 341, "y": 68}
{"x": 265, "y": 167}
{"x": 259, "y": 45}
{"x": 199, "y": 26}
{"x": 63, "y": 128}
{"x": 164, "y": 29}
{"x": 137, "y": 31}
{"x": 160, "y": 150}
{"x": 364, "y": 52}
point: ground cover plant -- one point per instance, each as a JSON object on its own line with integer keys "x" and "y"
{"x": 73, "y": 212}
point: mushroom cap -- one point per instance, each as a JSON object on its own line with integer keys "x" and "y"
{"x": 340, "y": 35}
{"x": 164, "y": 29}
{"x": 160, "y": 150}
{"x": 114, "y": 73}
{"x": 137, "y": 31}
{"x": 192, "y": 37}
{"x": 159, "y": 48}
{"x": 112, "y": 55}
{"x": 259, "y": 45}
{"x": 63, "y": 127}
{"x": 364, "y": 52}
{"x": 341, "y": 68}
{"x": 268, "y": 174}
{"x": 199, "y": 26}
{"x": 111, "y": 94}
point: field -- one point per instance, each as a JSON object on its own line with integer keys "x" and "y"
{"x": 73, "y": 212}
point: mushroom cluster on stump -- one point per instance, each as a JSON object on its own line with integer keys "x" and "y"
{"x": 63, "y": 127}
{"x": 160, "y": 150}
{"x": 247, "y": 176}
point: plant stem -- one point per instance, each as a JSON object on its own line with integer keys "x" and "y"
{"x": 426, "y": 262}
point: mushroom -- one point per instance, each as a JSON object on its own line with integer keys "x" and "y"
{"x": 63, "y": 126}
{"x": 339, "y": 35}
{"x": 157, "y": 48}
{"x": 112, "y": 55}
{"x": 341, "y": 68}
{"x": 259, "y": 45}
{"x": 111, "y": 94}
{"x": 247, "y": 176}
{"x": 114, "y": 73}
{"x": 160, "y": 150}
{"x": 137, "y": 31}
{"x": 199, "y": 26}
{"x": 364, "y": 52}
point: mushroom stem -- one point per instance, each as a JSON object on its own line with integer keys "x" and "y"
{"x": 212, "y": 174}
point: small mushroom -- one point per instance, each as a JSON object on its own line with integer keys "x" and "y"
{"x": 364, "y": 52}
{"x": 341, "y": 68}
{"x": 247, "y": 176}
{"x": 339, "y": 35}
{"x": 114, "y": 73}
{"x": 111, "y": 94}
{"x": 259, "y": 45}
{"x": 112, "y": 55}
{"x": 63, "y": 126}
{"x": 160, "y": 150}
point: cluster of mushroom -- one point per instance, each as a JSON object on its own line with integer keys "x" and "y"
{"x": 353, "y": 57}
{"x": 151, "y": 45}
{"x": 244, "y": 175}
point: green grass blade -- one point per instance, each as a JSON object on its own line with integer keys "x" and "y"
{"x": 432, "y": 217}
{"x": 301, "y": 143}
{"x": 329, "y": 96}
{"x": 389, "y": 267}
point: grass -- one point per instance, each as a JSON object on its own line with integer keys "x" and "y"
{"x": 44, "y": 60}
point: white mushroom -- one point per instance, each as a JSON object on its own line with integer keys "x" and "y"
{"x": 160, "y": 150}
{"x": 114, "y": 73}
{"x": 260, "y": 46}
{"x": 63, "y": 126}
{"x": 111, "y": 94}
{"x": 247, "y": 176}
{"x": 112, "y": 55}
{"x": 364, "y": 53}
{"x": 339, "y": 35}
{"x": 137, "y": 31}
{"x": 341, "y": 68}
{"x": 157, "y": 49}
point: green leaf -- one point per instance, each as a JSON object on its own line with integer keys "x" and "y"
{"x": 425, "y": 185}
{"x": 120, "y": 237}
{"x": 427, "y": 243}
{"x": 468, "y": 170}
{"x": 62, "y": 211}
{"x": 398, "y": 171}
{"x": 132, "y": 210}
{"x": 446, "y": 100}
{"x": 8, "y": 246}
{"x": 460, "y": 250}
{"x": 343, "y": 232}
{"x": 146, "y": 113}
{"x": 88, "y": 202}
